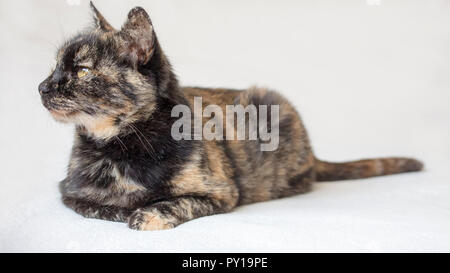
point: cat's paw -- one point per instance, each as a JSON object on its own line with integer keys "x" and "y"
{"x": 149, "y": 220}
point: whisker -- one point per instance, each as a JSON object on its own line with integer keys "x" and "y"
{"x": 143, "y": 144}
{"x": 121, "y": 144}
{"x": 145, "y": 138}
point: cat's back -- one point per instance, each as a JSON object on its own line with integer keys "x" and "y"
{"x": 209, "y": 96}
{"x": 262, "y": 175}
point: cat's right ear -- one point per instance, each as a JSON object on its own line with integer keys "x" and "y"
{"x": 99, "y": 20}
{"x": 137, "y": 39}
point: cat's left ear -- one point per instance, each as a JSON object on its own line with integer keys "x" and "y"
{"x": 137, "y": 38}
{"x": 100, "y": 21}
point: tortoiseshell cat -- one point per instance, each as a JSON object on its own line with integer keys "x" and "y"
{"x": 118, "y": 88}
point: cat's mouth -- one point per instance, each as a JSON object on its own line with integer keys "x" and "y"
{"x": 57, "y": 111}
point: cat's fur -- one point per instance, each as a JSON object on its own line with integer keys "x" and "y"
{"x": 125, "y": 166}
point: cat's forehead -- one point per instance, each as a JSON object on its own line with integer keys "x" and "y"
{"x": 81, "y": 48}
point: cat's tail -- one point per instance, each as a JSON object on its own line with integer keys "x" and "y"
{"x": 328, "y": 171}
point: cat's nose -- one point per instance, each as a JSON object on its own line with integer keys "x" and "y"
{"x": 44, "y": 87}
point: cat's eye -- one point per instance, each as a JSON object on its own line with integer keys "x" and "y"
{"x": 83, "y": 71}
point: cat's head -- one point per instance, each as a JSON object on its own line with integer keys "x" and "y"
{"x": 105, "y": 78}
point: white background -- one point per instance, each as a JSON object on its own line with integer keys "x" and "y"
{"x": 369, "y": 80}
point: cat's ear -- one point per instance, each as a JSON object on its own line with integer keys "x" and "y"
{"x": 99, "y": 20}
{"x": 137, "y": 38}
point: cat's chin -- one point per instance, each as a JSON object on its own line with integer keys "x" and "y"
{"x": 62, "y": 115}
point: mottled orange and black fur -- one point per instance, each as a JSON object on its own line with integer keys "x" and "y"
{"x": 118, "y": 88}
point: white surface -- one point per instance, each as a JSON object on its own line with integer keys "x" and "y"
{"x": 368, "y": 80}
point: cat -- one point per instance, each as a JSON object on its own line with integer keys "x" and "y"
{"x": 118, "y": 89}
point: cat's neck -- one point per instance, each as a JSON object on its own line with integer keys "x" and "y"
{"x": 154, "y": 119}
{"x": 146, "y": 139}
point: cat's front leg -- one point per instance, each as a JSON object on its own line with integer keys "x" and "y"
{"x": 92, "y": 210}
{"x": 171, "y": 213}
